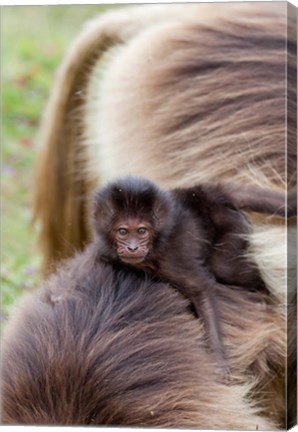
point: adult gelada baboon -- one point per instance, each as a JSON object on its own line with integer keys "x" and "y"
{"x": 185, "y": 93}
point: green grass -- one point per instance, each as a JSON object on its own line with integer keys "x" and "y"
{"x": 33, "y": 41}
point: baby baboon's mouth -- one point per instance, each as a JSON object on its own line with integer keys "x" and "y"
{"x": 130, "y": 259}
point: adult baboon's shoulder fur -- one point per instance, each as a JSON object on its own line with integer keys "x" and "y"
{"x": 191, "y": 93}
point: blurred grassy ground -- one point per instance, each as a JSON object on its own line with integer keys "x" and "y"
{"x": 33, "y": 41}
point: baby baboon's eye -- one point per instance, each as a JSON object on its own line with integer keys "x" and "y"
{"x": 122, "y": 231}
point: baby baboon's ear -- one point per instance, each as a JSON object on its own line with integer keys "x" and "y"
{"x": 102, "y": 212}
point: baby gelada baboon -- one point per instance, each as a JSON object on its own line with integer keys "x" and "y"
{"x": 192, "y": 238}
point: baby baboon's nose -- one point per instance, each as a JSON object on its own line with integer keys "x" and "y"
{"x": 132, "y": 248}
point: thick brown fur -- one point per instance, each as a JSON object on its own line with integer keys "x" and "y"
{"x": 97, "y": 346}
{"x": 192, "y": 93}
